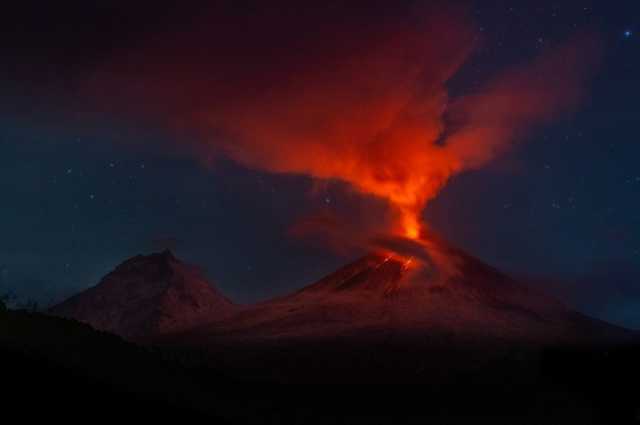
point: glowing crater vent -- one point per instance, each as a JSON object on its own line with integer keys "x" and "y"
{"x": 374, "y": 274}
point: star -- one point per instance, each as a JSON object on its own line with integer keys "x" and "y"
{"x": 627, "y": 34}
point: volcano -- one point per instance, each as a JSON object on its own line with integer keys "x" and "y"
{"x": 148, "y": 296}
{"x": 396, "y": 318}
{"x": 402, "y": 315}
{"x": 385, "y": 295}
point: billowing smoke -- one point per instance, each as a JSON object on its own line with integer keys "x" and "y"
{"x": 346, "y": 93}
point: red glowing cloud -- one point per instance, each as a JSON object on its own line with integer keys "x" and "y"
{"x": 334, "y": 94}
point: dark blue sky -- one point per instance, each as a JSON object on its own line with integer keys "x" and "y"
{"x": 83, "y": 191}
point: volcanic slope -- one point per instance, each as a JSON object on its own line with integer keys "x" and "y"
{"x": 386, "y": 296}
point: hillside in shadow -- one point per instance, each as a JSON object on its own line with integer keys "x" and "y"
{"x": 52, "y": 365}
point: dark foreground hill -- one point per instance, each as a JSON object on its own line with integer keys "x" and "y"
{"x": 52, "y": 365}
{"x": 57, "y": 368}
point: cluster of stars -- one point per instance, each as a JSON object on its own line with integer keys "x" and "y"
{"x": 92, "y": 196}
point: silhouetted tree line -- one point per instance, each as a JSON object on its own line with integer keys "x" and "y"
{"x": 11, "y": 299}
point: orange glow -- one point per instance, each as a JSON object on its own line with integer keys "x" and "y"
{"x": 378, "y": 123}
{"x": 407, "y": 263}
{"x": 411, "y": 226}
{"x": 337, "y": 100}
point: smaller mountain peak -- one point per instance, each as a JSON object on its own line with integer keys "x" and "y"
{"x": 148, "y": 295}
{"x": 165, "y": 256}
{"x": 167, "y": 253}
{"x": 164, "y": 259}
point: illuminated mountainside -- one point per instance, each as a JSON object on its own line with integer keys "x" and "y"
{"x": 382, "y": 296}
{"x": 147, "y": 296}
{"x": 447, "y": 297}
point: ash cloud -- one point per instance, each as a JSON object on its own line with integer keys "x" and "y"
{"x": 349, "y": 93}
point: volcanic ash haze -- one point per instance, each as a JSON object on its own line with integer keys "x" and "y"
{"x": 335, "y": 93}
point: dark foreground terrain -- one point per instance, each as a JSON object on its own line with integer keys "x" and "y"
{"x": 62, "y": 369}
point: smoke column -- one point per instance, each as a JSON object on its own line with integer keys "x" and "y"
{"x": 337, "y": 93}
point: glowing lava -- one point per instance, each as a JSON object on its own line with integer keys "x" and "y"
{"x": 411, "y": 225}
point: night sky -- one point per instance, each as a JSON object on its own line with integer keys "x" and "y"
{"x": 88, "y": 180}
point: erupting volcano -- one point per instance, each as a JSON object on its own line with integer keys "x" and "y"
{"x": 386, "y": 295}
{"x": 392, "y": 309}
{"x": 365, "y": 102}
{"x": 327, "y": 165}
{"x": 430, "y": 290}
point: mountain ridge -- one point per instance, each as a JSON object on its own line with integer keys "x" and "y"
{"x": 387, "y": 295}
{"x": 158, "y": 298}
{"x": 146, "y": 296}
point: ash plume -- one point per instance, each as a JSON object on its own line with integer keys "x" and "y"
{"x": 344, "y": 93}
